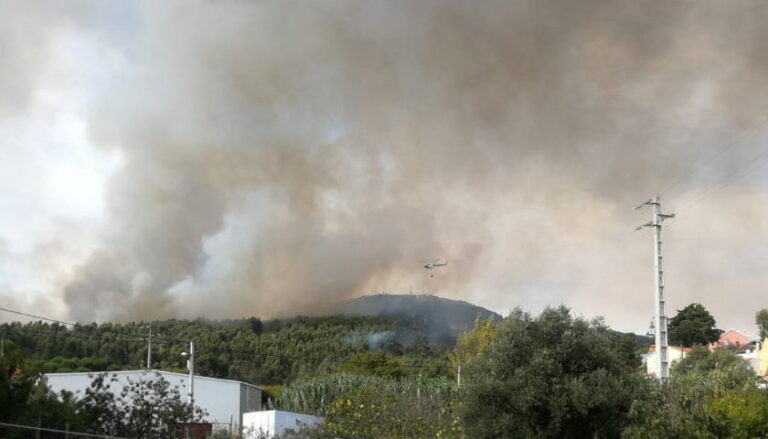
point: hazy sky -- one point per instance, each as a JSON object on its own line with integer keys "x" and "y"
{"x": 235, "y": 158}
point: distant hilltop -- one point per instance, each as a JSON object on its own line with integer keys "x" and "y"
{"x": 440, "y": 319}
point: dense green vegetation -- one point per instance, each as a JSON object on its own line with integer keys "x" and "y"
{"x": 364, "y": 406}
{"x": 547, "y": 376}
{"x": 551, "y": 376}
{"x": 271, "y": 352}
{"x": 709, "y": 395}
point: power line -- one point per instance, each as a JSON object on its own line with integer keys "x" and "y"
{"x": 752, "y": 131}
{"x": 76, "y": 326}
{"x": 53, "y": 430}
{"x": 37, "y": 317}
{"x": 754, "y": 164}
{"x": 91, "y": 337}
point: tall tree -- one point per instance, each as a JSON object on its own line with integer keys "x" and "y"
{"x": 475, "y": 342}
{"x": 762, "y": 323}
{"x": 554, "y": 376}
{"x": 693, "y": 325}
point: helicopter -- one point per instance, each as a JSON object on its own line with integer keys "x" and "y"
{"x": 434, "y": 263}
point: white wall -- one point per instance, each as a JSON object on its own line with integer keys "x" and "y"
{"x": 269, "y": 423}
{"x": 220, "y": 398}
{"x": 673, "y": 356}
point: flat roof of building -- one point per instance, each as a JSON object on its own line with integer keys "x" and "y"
{"x": 145, "y": 371}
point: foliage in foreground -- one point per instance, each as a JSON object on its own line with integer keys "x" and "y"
{"x": 147, "y": 407}
{"x": 144, "y": 408}
{"x": 709, "y": 395}
{"x": 553, "y": 376}
{"x": 24, "y": 401}
{"x": 365, "y": 406}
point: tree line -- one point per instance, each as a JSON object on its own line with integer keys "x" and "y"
{"x": 271, "y": 352}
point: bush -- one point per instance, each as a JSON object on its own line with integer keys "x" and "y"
{"x": 554, "y": 376}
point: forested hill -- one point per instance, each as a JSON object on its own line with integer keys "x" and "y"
{"x": 412, "y": 331}
{"x": 270, "y": 352}
{"x": 440, "y": 319}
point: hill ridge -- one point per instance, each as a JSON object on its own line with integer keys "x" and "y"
{"x": 441, "y": 319}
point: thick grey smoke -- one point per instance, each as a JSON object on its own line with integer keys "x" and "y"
{"x": 280, "y": 154}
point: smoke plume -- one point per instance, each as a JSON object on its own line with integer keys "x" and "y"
{"x": 276, "y": 155}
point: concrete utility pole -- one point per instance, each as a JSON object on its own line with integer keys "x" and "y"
{"x": 149, "y": 348}
{"x": 660, "y": 317}
{"x": 192, "y": 372}
{"x": 191, "y": 367}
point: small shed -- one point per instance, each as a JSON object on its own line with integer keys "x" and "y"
{"x": 271, "y": 423}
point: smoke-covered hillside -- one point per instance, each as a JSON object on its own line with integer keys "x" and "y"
{"x": 440, "y": 319}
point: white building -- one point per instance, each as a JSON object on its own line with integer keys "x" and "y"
{"x": 225, "y": 400}
{"x": 674, "y": 355}
{"x": 752, "y": 359}
{"x": 270, "y": 423}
